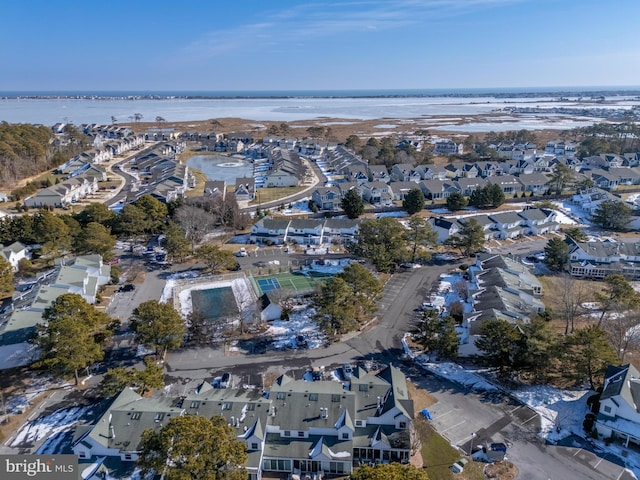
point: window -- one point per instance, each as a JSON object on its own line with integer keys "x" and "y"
{"x": 226, "y": 406}
{"x": 287, "y": 433}
{"x": 363, "y": 387}
{"x": 158, "y": 417}
{"x": 127, "y": 456}
{"x": 345, "y": 436}
{"x": 251, "y": 407}
{"x": 254, "y": 446}
{"x": 135, "y": 416}
{"x": 194, "y": 404}
{"x": 359, "y": 423}
{"x": 607, "y": 409}
{"x": 403, "y": 425}
{"x": 335, "y": 398}
{"x": 313, "y": 397}
{"x": 301, "y": 434}
{"x": 281, "y": 396}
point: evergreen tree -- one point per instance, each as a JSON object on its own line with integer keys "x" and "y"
{"x": 556, "y": 254}
{"x": 193, "y": 447}
{"x": 381, "y": 241}
{"x": 414, "y": 201}
{"x": 612, "y": 215}
{"x": 456, "y": 201}
{"x": 70, "y": 340}
{"x": 6, "y": 278}
{"x": 95, "y": 238}
{"x": 497, "y": 342}
{"x": 419, "y": 237}
{"x": 158, "y": 325}
{"x": 588, "y": 353}
{"x": 352, "y": 204}
{"x": 469, "y": 239}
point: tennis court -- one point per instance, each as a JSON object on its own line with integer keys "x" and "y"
{"x": 288, "y": 281}
{"x": 267, "y": 284}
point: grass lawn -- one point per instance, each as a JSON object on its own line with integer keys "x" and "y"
{"x": 265, "y": 195}
{"x": 438, "y": 455}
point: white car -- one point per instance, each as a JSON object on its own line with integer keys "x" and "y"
{"x": 242, "y": 252}
{"x": 347, "y": 371}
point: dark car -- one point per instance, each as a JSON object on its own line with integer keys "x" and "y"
{"x": 129, "y": 287}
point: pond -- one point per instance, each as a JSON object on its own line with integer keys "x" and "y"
{"x": 219, "y": 167}
{"x": 214, "y": 303}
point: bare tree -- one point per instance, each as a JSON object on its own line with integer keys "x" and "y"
{"x": 137, "y": 117}
{"x": 195, "y": 222}
{"x": 623, "y": 329}
{"x": 573, "y": 296}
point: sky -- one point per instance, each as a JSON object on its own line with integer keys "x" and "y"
{"x": 231, "y": 45}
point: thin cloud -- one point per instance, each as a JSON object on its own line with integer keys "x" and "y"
{"x": 311, "y": 21}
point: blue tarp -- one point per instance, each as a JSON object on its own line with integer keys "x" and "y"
{"x": 426, "y": 413}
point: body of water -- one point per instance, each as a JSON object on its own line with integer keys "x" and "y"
{"x": 219, "y": 167}
{"x": 214, "y": 303}
{"x": 49, "y": 108}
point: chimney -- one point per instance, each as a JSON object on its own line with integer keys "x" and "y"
{"x": 112, "y": 433}
{"x": 379, "y": 402}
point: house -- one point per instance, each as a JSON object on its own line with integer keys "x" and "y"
{"x": 508, "y": 224}
{"x": 444, "y": 227}
{"x": 13, "y": 254}
{"x": 599, "y": 259}
{"x": 245, "y": 189}
{"x": 508, "y": 183}
{"x": 339, "y": 231}
{"x": 404, "y": 172}
{"x": 448, "y": 147}
{"x": 537, "y": 221}
{"x": 466, "y": 186}
{"x": 502, "y": 288}
{"x": 269, "y": 231}
{"x": 431, "y": 172}
{"x": 604, "y": 160}
{"x": 533, "y": 183}
{"x": 604, "y": 179}
{"x": 269, "y": 310}
{"x": 590, "y": 199}
{"x": 438, "y": 189}
{"x": 401, "y": 189}
{"x": 215, "y": 188}
{"x": 377, "y": 193}
{"x": 305, "y": 231}
{"x": 297, "y": 427}
{"x": 379, "y": 173}
{"x": 82, "y": 275}
{"x": 327, "y": 198}
{"x": 619, "y": 413}
{"x": 625, "y": 175}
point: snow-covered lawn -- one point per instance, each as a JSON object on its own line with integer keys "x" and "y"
{"x": 48, "y": 426}
{"x": 301, "y": 322}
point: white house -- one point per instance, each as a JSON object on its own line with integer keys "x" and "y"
{"x": 13, "y": 254}
{"x": 619, "y": 414}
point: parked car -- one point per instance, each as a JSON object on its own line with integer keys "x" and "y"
{"x": 242, "y": 252}
{"x": 458, "y": 467}
{"x": 129, "y": 287}
{"x": 347, "y": 371}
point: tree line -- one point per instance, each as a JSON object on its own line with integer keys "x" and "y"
{"x": 27, "y": 150}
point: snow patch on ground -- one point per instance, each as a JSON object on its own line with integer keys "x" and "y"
{"x": 284, "y": 333}
{"x": 48, "y": 426}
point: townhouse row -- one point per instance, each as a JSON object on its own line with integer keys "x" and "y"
{"x": 297, "y": 427}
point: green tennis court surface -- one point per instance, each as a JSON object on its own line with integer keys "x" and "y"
{"x": 289, "y": 281}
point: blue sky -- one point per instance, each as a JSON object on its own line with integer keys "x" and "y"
{"x": 287, "y": 45}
